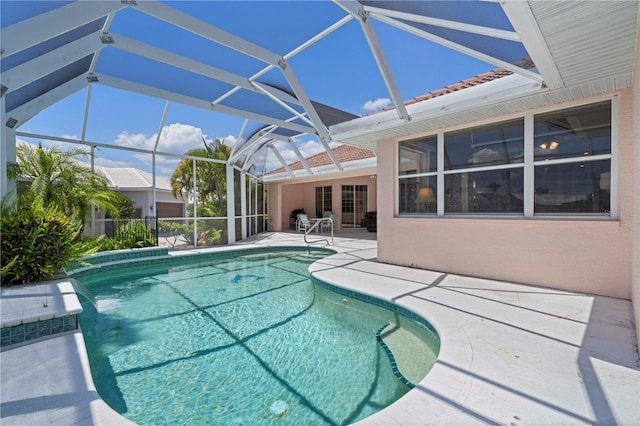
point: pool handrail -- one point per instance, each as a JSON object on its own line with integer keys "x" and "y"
{"x": 314, "y": 226}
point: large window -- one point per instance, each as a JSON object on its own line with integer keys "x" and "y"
{"x": 564, "y": 168}
{"x": 489, "y": 191}
{"x": 472, "y": 188}
{"x": 572, "y": 153}
{"x": 418, "y": 166}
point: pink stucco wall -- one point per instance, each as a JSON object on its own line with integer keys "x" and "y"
{"x": 635, "y": 290}
{"x": 592, "y": 256}
{"x": 286, "y": 197}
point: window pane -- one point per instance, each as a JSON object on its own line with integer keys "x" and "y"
{"x": 418, "y": 156}
{"x": 573, "y": 133}
{"x": 493, "y": 191}
{"x": 501, "y": 143}
{"x": 348, "y": 202}
{"x": 418, "y": 195}
{"x": 323, "y": 200}
{"x": 318, "y": 200}
{"x": 573, "y": 188}
{"x": 326, "y": 201}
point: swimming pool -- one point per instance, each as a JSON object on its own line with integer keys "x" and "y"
{"x": 246, "y": 338}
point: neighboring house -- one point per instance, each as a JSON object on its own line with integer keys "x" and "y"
{"x": 348, "y": 193}
{"x": 138, "y": 185}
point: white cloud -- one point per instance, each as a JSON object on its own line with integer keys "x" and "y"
{"x": 376, "y": 105}
{"x": 229, "y": 140}
{"x": 176, "y": 138}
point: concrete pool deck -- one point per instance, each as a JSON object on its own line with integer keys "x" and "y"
{"x": 510, "y": 354}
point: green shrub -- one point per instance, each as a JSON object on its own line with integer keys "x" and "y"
{"x": 134, "y": 234}
{"x": 207, "y": 234}
{"x": 210, "y": 237}
{"x": 99, "y": 243}
{"x": 36, "y": 243}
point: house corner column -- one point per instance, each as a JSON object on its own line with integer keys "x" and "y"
{"x": 231, "y": 209}
{"x": 7, "y": 150}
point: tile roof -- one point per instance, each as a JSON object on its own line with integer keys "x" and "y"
{"x": 495, "y": 74}
{"x": 132, "y": 178}
{"x": 344, "y": 154}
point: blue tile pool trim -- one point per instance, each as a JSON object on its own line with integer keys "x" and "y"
{"x": 392, "y": 359}
{"x": 152, "y": 258}
{"x": 34, "y": 330}
{"x": 119, "y": 255}
{"x": 116, "y": 256}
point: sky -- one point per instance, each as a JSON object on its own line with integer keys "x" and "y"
{"x": 339, "y": 70}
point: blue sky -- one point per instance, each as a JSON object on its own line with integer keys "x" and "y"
{"x": 339, "y": 70}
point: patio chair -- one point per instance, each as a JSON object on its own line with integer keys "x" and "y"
{"x": 303, "y": 223}
{"x": 326, "y": 225}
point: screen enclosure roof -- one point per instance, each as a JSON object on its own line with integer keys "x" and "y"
{"x": 303, "y": 69}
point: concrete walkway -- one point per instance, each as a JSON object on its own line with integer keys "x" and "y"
{"x": 510, "y": 354}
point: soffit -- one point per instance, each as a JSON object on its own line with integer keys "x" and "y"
{"x": 592, "y": 44}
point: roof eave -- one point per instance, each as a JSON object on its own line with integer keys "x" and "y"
{"x": 358, "y": 167}
{"x": 493, "y": 92}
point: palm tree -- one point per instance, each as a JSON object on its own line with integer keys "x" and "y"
{"x": 211, "y": 178}
{"x": 55, "y": 179}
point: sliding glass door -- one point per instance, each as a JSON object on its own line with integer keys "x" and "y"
{"x": 354, "y": 205}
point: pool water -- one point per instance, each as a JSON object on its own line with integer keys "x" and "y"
{"x": 242, "y": 340}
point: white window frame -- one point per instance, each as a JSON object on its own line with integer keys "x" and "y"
{"x": 315, "y": 195}
{"x": 528, "y": 166}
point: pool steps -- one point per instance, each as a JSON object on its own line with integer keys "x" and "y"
{"x": 416, "y": 319}
{"x": 392, "y": 360}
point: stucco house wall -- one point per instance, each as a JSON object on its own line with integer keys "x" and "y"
{"x": 286, "y": 197}
{"x": 143, "y": 199}
{"x": 635, "y": 216}
{"x": 591, "y": 255}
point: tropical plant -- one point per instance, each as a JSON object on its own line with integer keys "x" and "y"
{"x": 54, "y": 178}
{"x": 125, "y": 205}
{"x": 134, "y": 234}
{"x": 210, "y": 236}
{"x": 36, "y": 242}
{"x": 211, "y": 178}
